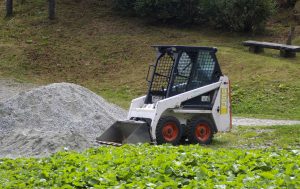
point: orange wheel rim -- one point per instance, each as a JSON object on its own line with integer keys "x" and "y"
{"x": 202, "y": 132}
{"x": 170, "y": 131}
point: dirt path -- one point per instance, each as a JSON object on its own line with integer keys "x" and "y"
{"x": 241, "y": 121}
{"x": 8, "y": 88}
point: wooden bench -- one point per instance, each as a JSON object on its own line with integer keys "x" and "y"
{"x": 286, "y": 51}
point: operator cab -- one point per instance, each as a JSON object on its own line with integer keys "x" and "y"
{"x": 179, "y": 69}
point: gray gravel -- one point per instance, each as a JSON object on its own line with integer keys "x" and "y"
{"x": 241, "y": 121}
{"x": 9, "y": 88}
{"x": 49, "y": 118}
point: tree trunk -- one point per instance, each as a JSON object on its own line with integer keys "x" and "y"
{"x": 9, "y": 8}
{"x": 51, "y": 9}
{"x": 291, "y": 36}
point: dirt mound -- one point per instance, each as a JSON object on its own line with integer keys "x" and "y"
{"x": 49, "y": 118}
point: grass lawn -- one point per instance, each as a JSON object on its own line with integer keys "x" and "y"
{"x": 282, "y": 137}
{"x": 92, "y": 46}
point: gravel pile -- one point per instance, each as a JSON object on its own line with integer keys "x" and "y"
{"x": 51, "y": 118}
{"x": 10, "y": 88}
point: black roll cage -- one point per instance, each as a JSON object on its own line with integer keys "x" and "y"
{"x": 175, "y": 52}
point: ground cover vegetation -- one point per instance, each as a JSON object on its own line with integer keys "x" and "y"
{"x": 92, "y": 44}
{"x": 145, "y": 166}
{"x": 248, "y": 157}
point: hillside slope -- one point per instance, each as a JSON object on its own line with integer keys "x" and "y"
{"x": 90, "y": 45}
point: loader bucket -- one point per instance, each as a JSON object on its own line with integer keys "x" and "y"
{"x": 124, "y": 132}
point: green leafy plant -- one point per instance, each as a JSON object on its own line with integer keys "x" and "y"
{"x": 145, "y": 166}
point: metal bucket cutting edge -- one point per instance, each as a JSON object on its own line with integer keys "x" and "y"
{"x": 126, "y": 132}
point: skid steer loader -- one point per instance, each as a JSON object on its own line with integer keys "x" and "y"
{"x": 188, "y": 101}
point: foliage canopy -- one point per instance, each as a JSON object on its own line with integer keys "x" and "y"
{"x": 237, "y": 15}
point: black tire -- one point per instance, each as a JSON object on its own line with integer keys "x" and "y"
{"x": 200, "y": 131}
{"x": 168, "y": 130}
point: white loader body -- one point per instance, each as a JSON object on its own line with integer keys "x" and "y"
{"x": 188, "y": 100}
{"x": 221, "y": 111}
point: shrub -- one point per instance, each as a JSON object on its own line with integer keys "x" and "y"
{"x": 286, "y": 3}
{"x": 181, "y": 11}
{"x": 241, "y": 15}
{"x": 237, "y": 15}
{"x": 124, "y": 6}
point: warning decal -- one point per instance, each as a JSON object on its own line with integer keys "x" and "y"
{"x": 224, "y": 101}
